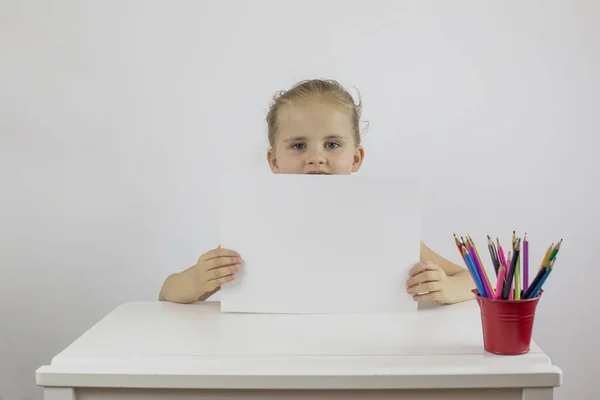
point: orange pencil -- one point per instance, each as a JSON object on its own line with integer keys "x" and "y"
{"x": 499, "y": 282}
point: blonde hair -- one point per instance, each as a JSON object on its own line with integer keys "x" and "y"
{"x": 329, "y": 89}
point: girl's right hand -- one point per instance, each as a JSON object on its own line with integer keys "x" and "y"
{"x": 215, "y": 268}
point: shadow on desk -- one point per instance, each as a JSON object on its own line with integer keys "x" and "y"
{"x": 447, "y": 394}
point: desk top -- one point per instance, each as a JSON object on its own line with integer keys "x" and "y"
{"x": 166, "y": 345}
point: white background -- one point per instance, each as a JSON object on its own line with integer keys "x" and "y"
{"x": 117, "y": 117}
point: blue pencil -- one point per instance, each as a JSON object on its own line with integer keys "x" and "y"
{"x": 474, "y": 274}
{"x": 538, "y": 287}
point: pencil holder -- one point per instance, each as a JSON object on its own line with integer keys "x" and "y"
{"x": 507, "y": 324}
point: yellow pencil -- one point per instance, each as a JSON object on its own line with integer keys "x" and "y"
{"x": 546, "y": 257}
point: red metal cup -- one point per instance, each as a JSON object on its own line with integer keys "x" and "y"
{"x": 507, "y": 324}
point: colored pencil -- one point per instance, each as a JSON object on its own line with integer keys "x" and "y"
{"x": 512, "y": 280}
{"x": 511, "y": 271}
{"x": 517, "y": 293}
{"x": 499, "y": 282}
{"x": 525, "y": 262}
{"x": 458, "y": 246}
{"x": 533, "y": 293}
{"x": 485, "y": 282}
{"x": 493, "y": 255}
{"x": 511, "y": 293}
{"x": 473, "y": 271}
{"x": 546, "y": 257}
{"x": 482, "y": 267}
{"x": 554, "y": 251}
{"x": 501, "y": 254}
{"x": 536, "y": 280}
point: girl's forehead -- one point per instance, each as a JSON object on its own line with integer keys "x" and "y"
{"x": 314, "y": 117}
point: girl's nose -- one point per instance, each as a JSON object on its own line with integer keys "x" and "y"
{"x": 316, "y": 156}
{"x": 316, "y": 159}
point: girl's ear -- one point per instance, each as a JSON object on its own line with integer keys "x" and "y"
{"x": 359, "y": 155}
{"x": 272, "y": 161}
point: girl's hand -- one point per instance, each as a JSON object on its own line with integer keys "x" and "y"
{"x": 428, "y": 282}
{"x": 215, "y": 268}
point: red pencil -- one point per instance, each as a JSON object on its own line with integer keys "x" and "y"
{"x": 459, "y": 247}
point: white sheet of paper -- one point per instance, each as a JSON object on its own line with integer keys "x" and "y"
{"x": 320, "y": 244}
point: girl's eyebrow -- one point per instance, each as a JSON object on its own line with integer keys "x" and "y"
{"x": 295, "y": 139}
{"x": 302, "y": 138}
{"x": 335, "y": 137}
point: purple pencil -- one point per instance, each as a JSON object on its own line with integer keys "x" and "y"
{"x": 479, "y": 268}
{"x": 525, "y": 263}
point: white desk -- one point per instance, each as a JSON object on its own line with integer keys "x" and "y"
{"x": 170, "y": 351}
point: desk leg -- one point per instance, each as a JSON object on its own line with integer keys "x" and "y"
{"x": 52, "y": 393}
{"x": 537, "y": 394}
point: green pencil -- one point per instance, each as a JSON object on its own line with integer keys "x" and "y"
{"x": 554, "y": 252}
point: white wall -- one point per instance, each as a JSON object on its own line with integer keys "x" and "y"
{"x": 116, "y": 117}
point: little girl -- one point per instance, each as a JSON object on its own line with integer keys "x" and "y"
{"x": 313, "y": 128}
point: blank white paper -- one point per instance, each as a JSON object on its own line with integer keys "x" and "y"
{"x": 320, "y": 243}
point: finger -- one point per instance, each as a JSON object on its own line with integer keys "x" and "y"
{"x": 219, "y": 252}
{"x": 426, "y": 287}
{"x": 221, "y": 262}
{"x": 423, "y": 276}
{"x": 215, "y": 283}
{"x": 423, "y": 266}
{"x": 435, "y": 297}
{"x": 218, "y": 273}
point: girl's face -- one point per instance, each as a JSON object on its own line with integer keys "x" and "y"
{"x": 314, "y": 137}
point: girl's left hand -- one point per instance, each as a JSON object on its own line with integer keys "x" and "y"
{"x": 428, "y": 282}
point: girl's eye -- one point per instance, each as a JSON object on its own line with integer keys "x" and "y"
{"x": 298, "y": 146}
{"x": 332, "y": 145}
